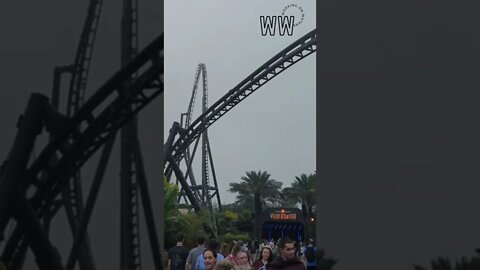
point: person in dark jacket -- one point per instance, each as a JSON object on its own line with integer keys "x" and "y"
{"x": 177, "y": 256}
{"x": 286, "y": 259}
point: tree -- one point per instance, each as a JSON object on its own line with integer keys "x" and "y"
{"x": 255, "y": 190}
{"x": 198, "y": 226}
{"x": 302, "y": 191}
{"x": 174, "y": 221}
{"x": 225, "y": 221}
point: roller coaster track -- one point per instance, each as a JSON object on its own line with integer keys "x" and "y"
{"x": 83, "y": 57}
{"x": 72, "y": 194}
{"x": 130, "y": 155}
{"x": 204, "y": 197}
{"x": 91, "y": 127}
{"x": 292, "y": 54}
{"x": 201, "y": 69}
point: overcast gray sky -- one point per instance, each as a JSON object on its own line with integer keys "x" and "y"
{"x": 272, "y": 130}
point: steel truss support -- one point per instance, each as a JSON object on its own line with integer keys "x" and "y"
{"x": 147, "y": 208}
{"x": 201, "y": 192}
{"x": 129, "y": 196}
{"x": 83, "y": 57}
{"x": 92, "y": 197}
{"x": 13, "y": 202}
{"x": 72, "y": 195}
{"x": 174, "y": 130}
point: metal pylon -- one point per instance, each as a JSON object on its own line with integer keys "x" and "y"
{"x": 201, "y": 192}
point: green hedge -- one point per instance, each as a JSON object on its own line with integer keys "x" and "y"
{"x": 230, "y": 237}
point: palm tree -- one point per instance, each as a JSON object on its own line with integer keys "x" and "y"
{"x": 256, "y": 189}
{"x": 302, "y": 191}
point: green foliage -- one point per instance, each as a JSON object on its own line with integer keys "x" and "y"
{"x": 246, "y": 214}
{"x": 225, "y": 221}
{"x": 301, "y": 191}
{"x": 197, "y": 223}
{"x": 232, "y": 207}
{"x": 230, "y": 216}
{"x": 2, "y": 266}
{"x": 256, "y": 185}
{"x": 443, "y": 263}
{"x": 230, "y": 237}
{"x": 255, "y": 189}
{"x": 174, "y": 221}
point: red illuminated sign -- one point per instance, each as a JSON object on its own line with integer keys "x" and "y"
{"x": 283, "y": 215}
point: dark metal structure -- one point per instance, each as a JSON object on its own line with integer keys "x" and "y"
{"x": 132, "y": 170}
{"x": 31, "y": 194}
{"x": 201, "y": 192}
{"x": 72, "y": 195}
{"x": 177, "y": 150}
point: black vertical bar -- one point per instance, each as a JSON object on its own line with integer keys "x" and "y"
{"x": 179, "y": 175}
{"x": 214, "y": 176}
{"x": 92, "y": 196}
{"x": 147, "y": 207}
{"x": 129, "y": 258}
{"x": 56, "y": 87}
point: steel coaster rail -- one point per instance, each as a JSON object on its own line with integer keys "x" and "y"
{"x": 201, "y": 69}
{"x": 72, "y": 194}
{"x": 86, "y": 112}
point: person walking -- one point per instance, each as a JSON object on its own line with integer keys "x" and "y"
{"x": 242, "y": 260}
{"x": 265, "y": 258}
{"x": 286, "y": 260}
{"x": 177, "y": 256}
{"x": 194, "y": 253}
{"x": 224, "y": 249}
{"x": 310, "y": 255}
{"x": 209, "y": 258}
{"x": 211, "y": 245}
{"x": 233, "y": 253}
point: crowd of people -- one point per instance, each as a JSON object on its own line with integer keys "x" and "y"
{"x": 284, "y": 254}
